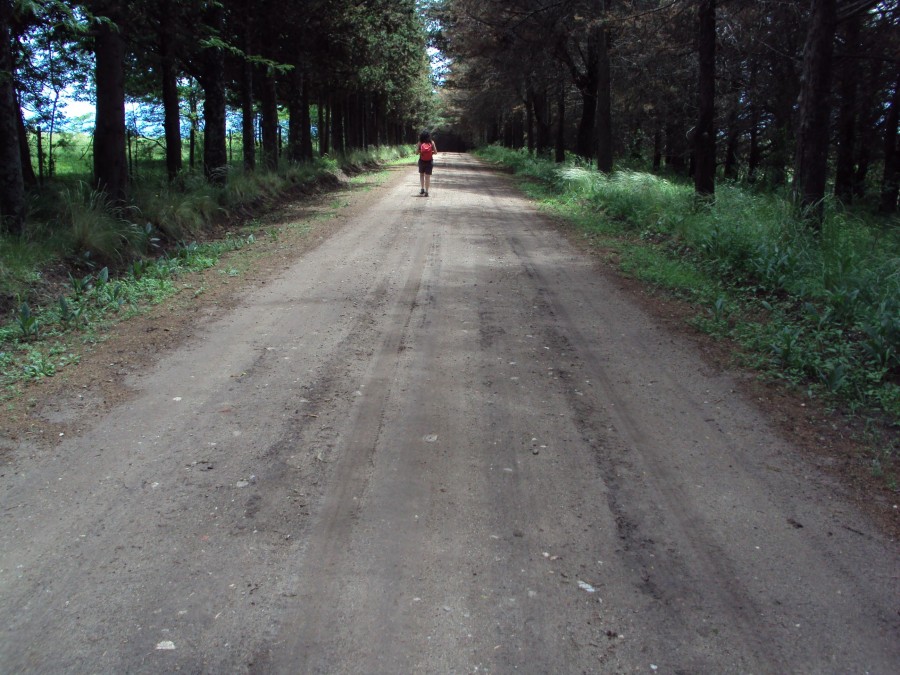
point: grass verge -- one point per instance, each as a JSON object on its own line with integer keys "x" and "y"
{"x": 49, "y": 322}
{"x": 819, "y": 312}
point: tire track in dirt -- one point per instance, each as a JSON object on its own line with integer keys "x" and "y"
{"x": 687, "y": 571}
{"x": 349, "y": 477}
{"x": 439, "y": 442}
{"x": 669, "y": 577}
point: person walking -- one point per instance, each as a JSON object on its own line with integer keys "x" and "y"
{"x": 427, "y": 151}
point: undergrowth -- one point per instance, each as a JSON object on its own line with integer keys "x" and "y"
{"x": 819, "y": 311}
{"x": 118, "y": 260}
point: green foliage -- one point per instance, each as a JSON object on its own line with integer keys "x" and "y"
{"x": 91, "y": 228}
{"x": 94, "y": 298}
{"x": 823, "y": 312}
{"x": 39, "y": 365}
{"x": 27, "y": 322}
{"x": 20, "y": 263}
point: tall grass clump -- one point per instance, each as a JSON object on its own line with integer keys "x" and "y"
{"x": 94, "y": 230}
{"x": 20, "y": 263}
{"x": 817, "y": 308}
{"x": 179, "y": 212}
{"x": 521, "y": 162}
{"x": 642, "y": 200}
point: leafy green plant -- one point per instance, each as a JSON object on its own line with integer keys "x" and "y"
{"x": 69, "y": 313}
{"x": 719, "y": 310}
{"x": 833, "y": 375}
{"x": 39, "y": 365}
{"x": 786, "y": 346}
{"x": 139, "y": 268}
{"x": 27, "y": 322}
{"x": 81, "y": 285}
{"x": 882, "y": 331}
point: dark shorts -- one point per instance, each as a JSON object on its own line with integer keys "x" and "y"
{"x": 426, "y": 167}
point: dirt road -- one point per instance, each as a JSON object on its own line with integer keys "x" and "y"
{"x": 439, "y": 442}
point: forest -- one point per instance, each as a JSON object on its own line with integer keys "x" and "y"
{"x": 748, "y": 149}
{"x": 770, "y": 92}
{"x": 776, "y": 93}
{"x": 359, "y": 67}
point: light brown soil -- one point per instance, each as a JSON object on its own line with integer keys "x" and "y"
{"x": 432, "y": 435}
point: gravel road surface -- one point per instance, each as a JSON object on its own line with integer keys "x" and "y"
{"x": 440, "y": 442}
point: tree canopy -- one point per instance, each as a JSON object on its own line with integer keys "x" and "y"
{"x": 779, "y": 92}
{"x": 362, "y": 66}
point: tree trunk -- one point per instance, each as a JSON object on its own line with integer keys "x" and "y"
{"x": 215, "y": 147}
{"x": 657, "y": 149}
{"x": 849, "y": 74}
{"x": 604, "y": 102}
{"x": 327, "y": 134}
{"x": 351, "y": 126}
{"x": 529, "y": 127}
{"x": 705, "y": 133}
{"x": 24, "y": 150}
{"x": 560, "y": 124}
{"x": 372, "y": 119}
{"x": 294, "y": 124}
{"x": 507, "y": 131}
{"x": 306, "y": 145}
{"x": 730, "y": 166}
{"x": 676, "y": 151}
{"x": 890, "y": 183}
{"x": 12, "y": 184}
{"x": 584, "y": 140}
{"x": 110, "y": 160}
{"x": 780, "y": 136}
{"x": 248, "y": 117}
{"x": 337, "y": 124}
{"x": 171, "y": 107}
{"x": 192, "y": 141}
{"x": 810, "y": 165}
{"x": 753, "y": 154}
{"x": 299, "y": 132}
{"x": 542, "y": 121}
{"x": 518, "y": 129}
{"x": 321, "y": 129}
{"x": 870, "y": 110}
{"x": 269, "y": 121}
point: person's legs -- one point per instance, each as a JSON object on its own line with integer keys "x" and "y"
{"x": 427, "y": 182}
{"x": 422, "y": 182}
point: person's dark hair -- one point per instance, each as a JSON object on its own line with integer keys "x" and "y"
{"x": 424, "y": 137}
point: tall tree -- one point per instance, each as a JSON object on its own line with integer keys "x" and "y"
{"x": 169, "y": 73}
{"x": 110, "y": 163}
{"x": 890, "y": 184}
{"x": 848, "y": 86}
{"x": 811, "y": 159}
{"x": 604, "y": 93}
{"x": 12, "y": 185}
{"x": 212, "y": 79}
{"x": 705, "y": 133}
{"x": 269, "y": 117}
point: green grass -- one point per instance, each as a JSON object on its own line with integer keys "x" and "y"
{"x": 821, "y": 312}
{"x": 40, "y": 341}
{"x": 121, "y": 260}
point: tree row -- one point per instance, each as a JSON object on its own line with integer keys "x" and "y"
{"x": 794, "y": 93}
{"x": 361, "y": 66}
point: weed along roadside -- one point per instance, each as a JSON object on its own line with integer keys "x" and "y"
{"x": 816, "y": 317}
{"x": 60, "y": 312}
